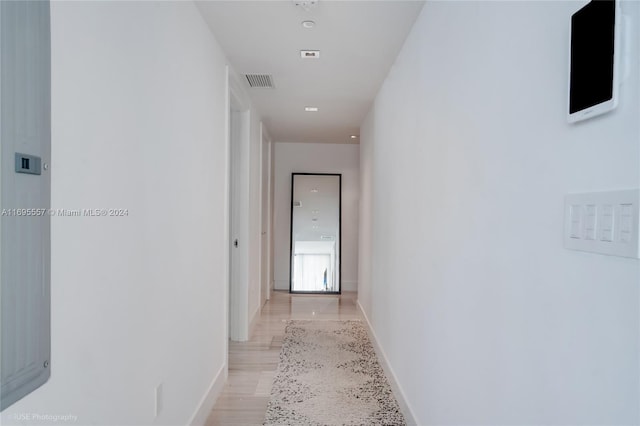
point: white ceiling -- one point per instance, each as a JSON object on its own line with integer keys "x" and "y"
{"x": 358, "y": 40}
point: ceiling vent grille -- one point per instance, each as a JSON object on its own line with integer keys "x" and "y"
{"x": 264, "y": 81}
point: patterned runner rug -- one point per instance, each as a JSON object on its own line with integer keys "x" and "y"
{"x": 329, "y": 375}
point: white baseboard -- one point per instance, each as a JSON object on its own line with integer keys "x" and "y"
{"x": 407, "y": 411}
{"x": 199, "y": 417}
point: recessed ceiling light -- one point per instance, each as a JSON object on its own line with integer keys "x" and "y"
{"x": 311, "y": 109}
{"x": 354, "y": 137}
{"x": 314, "y": 190}
{"x": 308, "y": 24}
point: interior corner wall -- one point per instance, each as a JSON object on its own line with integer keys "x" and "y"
{"x": 316, "y": 158}
{"x": 466, "y": 157}
{"x": 138, "y": 123}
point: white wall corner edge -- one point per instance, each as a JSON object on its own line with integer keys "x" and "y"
{"x": 405, "y": 407}
{"x": 281, "y": 285}
{"x": 349, "y": 285}
{"x": 254, "y": 321}
{"x": 205, "y": 406}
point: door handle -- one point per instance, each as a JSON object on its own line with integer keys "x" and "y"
{"x": 235, "y": 243}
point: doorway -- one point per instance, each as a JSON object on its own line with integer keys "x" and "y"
{"x": 238, "y": 214}
{"x": 265, "y": 213}
{"x": 315, "y": 245}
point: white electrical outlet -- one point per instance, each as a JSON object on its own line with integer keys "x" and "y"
{"x": 159, "y": 398}
{"x": 603, "y": 222}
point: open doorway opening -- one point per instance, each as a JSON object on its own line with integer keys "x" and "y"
{"x": 239, "y": 128}
{"x": 266, "y": 182}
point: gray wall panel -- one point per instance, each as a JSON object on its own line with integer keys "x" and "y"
{"x": 25, "y": 127}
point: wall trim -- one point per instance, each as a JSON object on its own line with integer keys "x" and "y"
{"x": 205, "y": 406}
{"x": 391, "y": 376}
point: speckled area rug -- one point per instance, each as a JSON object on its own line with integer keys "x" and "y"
{"x": 329, "y": 374}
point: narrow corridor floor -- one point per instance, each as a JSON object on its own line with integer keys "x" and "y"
{"x": 253, "y": 364}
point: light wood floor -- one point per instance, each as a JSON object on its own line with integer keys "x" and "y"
{"x": 252, "y": 364}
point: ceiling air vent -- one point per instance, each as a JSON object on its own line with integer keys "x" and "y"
{"x": 260, "y": 80}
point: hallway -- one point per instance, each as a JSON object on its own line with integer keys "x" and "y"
{"x": 252, "y": 364}
{"x": 182, "y": 123}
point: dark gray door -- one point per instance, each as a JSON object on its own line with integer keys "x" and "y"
{"x": 25, "y": 145}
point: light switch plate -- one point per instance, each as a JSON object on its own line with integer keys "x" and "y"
{"x": 603, "y": 222}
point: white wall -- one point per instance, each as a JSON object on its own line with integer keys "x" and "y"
{"x": 316, "y": 158}
{"x": 139, "y": 118}
{"x": 246, "y": 211}
{"x": 466, "y": 156}
{"x": 272, "y": 191}
{"x": 240, "y": 129}
{"x": 266, "y": 172}
{"x": 255, "y": 216}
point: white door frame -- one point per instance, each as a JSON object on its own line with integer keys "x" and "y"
{"x": 265, "y": 214}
